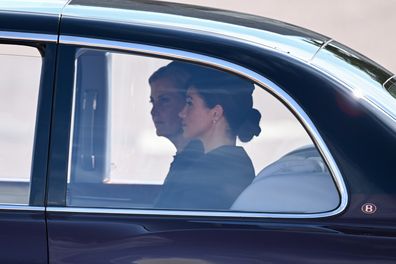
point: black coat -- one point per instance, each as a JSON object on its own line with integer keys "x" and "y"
{"x": 210, "y": 181}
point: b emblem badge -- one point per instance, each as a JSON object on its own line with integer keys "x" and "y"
{"x": 369, "y": 208}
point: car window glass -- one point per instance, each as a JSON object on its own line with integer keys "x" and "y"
{"x": 20, "y": 80}
{"x": 165, "y": 134}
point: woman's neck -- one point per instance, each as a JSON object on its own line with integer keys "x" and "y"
{"x": 218, "y": 136}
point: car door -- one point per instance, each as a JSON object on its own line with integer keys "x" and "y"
{"x": 109, "y": 159}
{"x": 27, "y": 61}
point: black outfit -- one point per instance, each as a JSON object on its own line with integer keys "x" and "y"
{"x": 212, "y": 181}
{"x": 181, "y": 162}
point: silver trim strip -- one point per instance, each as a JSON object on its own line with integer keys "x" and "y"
{"x": 231, "y": 67}
{"x": 21, "y": 208}
{"x": 72, "y": 122}
{"x": 154, "y": 212}
{"x": 63, "y": 9}
{"x": 321, "y": 47}
{"x": 390, "y": 78}
{"x": 28, "y": 36}
{"x": 66, "y": 4}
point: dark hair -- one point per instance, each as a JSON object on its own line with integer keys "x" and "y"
{"x": 178, "y": 72}
{"x": 234, "y": 94}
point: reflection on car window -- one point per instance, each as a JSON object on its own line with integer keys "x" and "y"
{"x": 19, "y": 86}
{"x": 171, "y": 135}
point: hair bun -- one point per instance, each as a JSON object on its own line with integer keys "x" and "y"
{"x": 250, "y": 127}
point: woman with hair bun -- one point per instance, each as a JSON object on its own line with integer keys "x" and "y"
{"x": 219, "y": 108}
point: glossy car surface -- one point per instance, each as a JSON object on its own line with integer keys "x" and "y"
{"x": 345, "y": 102}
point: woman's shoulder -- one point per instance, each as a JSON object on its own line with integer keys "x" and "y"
{"x": 230, "y": 152}
{"x": 231, "y": 159}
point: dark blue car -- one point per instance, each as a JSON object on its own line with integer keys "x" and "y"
{"x": 113, "y": 149}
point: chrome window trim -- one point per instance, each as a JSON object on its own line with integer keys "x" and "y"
{"x": 155, "y": 212}
{"x": 12, "y": 35}
{"x": 14, "y": 207}
{"x": 321, "y": 47}
{"x": 234, "y": 68}
{"x": 390, "y": 78}
{"x": 72, "y": 123}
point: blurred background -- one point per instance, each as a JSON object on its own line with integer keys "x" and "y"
{"x": 366, "y": 26}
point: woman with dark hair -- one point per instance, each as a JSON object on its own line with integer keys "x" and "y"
{"x": 219, "y": 108}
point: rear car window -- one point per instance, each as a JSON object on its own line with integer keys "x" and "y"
{"x": 160, "y": 134}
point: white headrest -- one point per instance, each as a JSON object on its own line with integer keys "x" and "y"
{"x": 299, "y": 182}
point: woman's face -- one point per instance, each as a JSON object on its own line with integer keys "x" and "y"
{"x": 167, "y": 102}
{"x": 197, "y": 118}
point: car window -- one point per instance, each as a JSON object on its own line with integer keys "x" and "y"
{"x": 162, "y": 134}
{"x": 19, "y": 86}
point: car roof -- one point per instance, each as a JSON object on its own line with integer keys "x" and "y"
{"x": 207, "y": 13}
{"x": 295, "y": 41}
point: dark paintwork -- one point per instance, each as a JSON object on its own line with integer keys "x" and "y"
{"x": 42, "y": 135}
{"x": 361, "y": 144}
{"x": 57, "y": 173}
{"x": 23, "y": 237}
{"x": 129, "y": 239}
{"x": 28, "y": 23}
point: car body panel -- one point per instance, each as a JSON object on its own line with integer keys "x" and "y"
{"x": 19, "y": 227}
{"x": 142, "y": 239}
